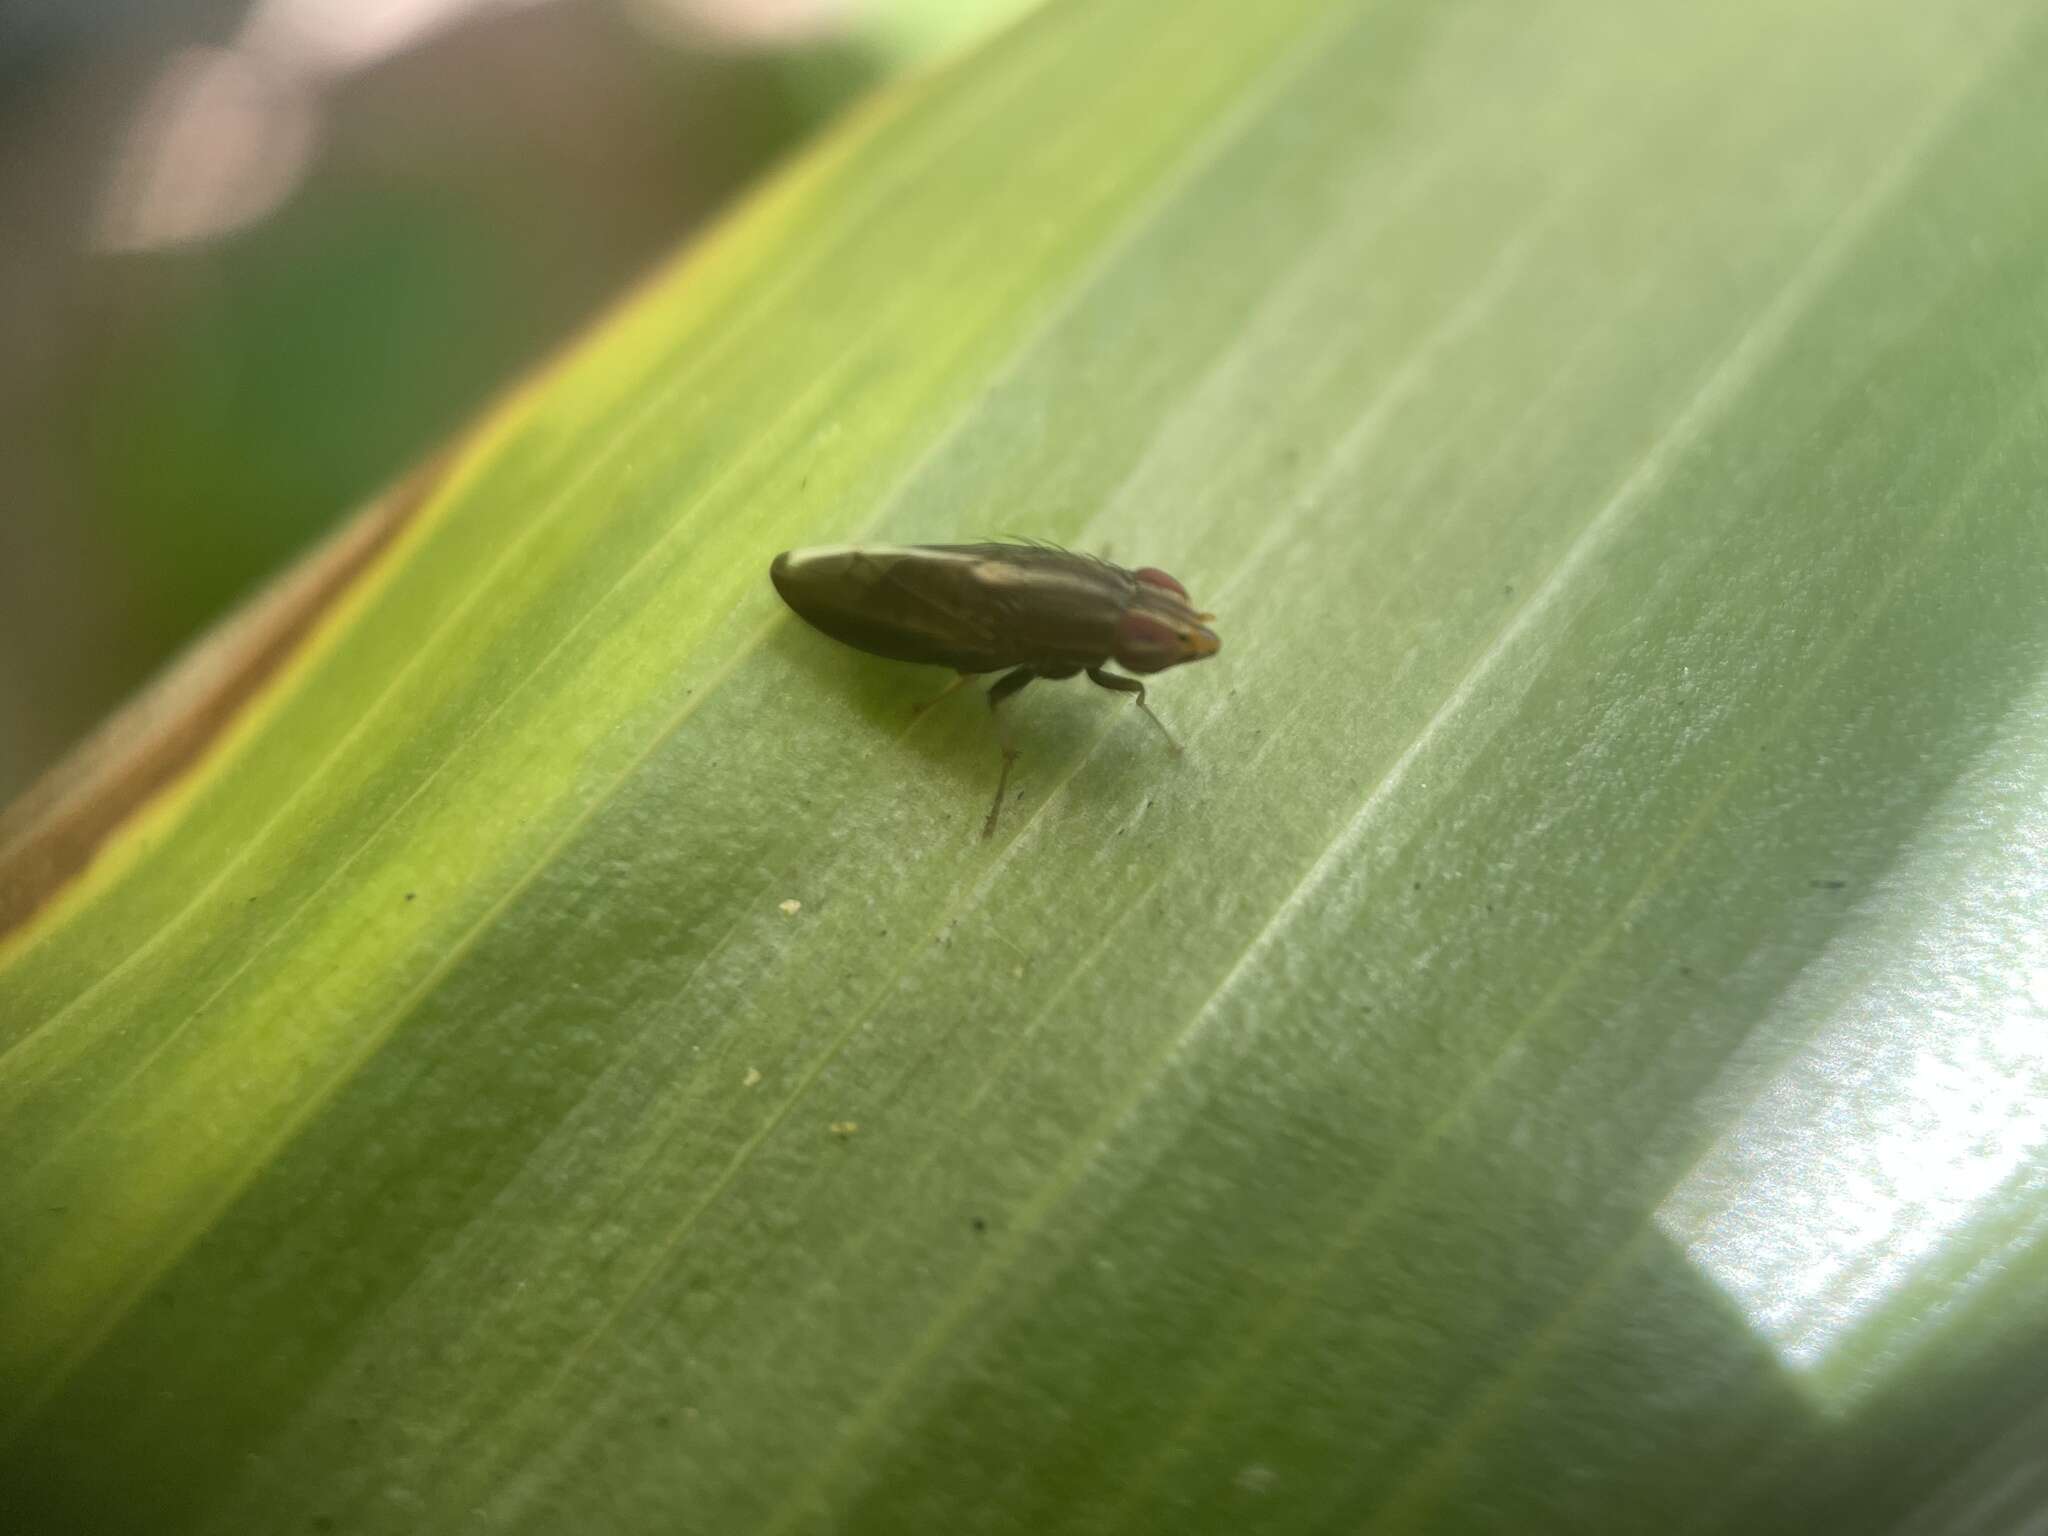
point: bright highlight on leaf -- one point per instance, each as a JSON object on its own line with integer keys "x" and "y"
{"x": 1890, "y": 1164}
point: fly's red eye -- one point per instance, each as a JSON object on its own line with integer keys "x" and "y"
{"x": 1144, "y": 644}
{"x": 1152, "y": 576}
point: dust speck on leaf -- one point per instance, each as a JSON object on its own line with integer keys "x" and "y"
{"x": 791, "y": 907}
{"x": 844, "y": 1128}
{"x": 753, "y": 1076}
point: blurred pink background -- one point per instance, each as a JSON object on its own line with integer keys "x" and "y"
{"x": 256, "y": 258}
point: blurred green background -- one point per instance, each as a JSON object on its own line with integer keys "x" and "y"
{"x": 256, "y": 258}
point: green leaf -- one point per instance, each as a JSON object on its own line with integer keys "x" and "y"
{"x": 1566, "y": 1048}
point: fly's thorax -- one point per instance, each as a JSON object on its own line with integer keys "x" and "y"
{"x": 1054, "y": 608}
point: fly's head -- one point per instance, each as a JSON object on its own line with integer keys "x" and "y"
{"x": 1160, "y": 628}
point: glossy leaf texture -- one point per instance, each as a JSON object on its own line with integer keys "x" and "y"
{"x": 1567, "y": 1048}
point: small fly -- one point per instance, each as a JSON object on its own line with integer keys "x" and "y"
{"x": 1025, "y": 610}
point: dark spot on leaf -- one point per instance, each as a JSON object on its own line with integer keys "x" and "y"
{"x": 1828, "y": 885}
{"x": 1685, "y": 971}
{"x": 323, "y": 1522}
{"x": 664, "y": 1420}
{"x": 981, "y": 1224}
{"x": 1418, "y": 885}
{"x": 410, "y": 894}
{"x": 1508, "y": 590}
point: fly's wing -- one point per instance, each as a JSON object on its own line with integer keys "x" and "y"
{"x": 972, "y": 607}
{"x": 923, "y": 604}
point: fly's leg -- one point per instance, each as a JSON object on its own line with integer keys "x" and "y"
{"x": 1132, "y": 686}
{"x": 945, "y": 693}
{"x": 1005, "y": 685}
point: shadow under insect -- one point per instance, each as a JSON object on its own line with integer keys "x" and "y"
{"x": 944, "y": 718}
